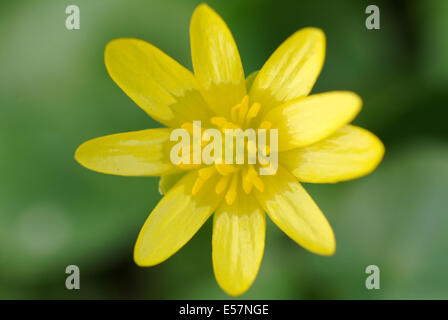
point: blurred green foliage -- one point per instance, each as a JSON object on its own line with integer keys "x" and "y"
{"x": 55, "y": 94}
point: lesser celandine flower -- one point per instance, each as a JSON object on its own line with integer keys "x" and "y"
{"x": 316, "y": 144}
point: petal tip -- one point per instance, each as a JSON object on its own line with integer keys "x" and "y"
{"x": 202, "y": 10}
{"x": 325, "y": 249}
{"x": 314, "y": 32}
{"x": 231, "y": 289}
{"x": 141, "y": 259}
{"x": 120, "y": 45}
{"x": 202, "y": 7}
{"x": 357, "y": 98}
{"x": 235, "y": 293}
{"x": 330, "y": 250}
{"x": 79, "y": 154}
{"x": 329, "y": 247}
{"x": 111, "y": 46}
{"x": 139, "y": 262}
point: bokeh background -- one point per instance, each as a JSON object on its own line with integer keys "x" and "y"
{"x": 55, "y": 94}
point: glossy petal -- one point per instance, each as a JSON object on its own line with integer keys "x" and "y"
{"x": 158, "y": 84}
{"x": 351, "y": 152}
{"x": 291, "y": 71}
{"x": 137, "y": 153}
{"x": 307, "y": 120}
{"x": 216, "y": 61}
{"x": 238, "y": 243}
{"x": 293, "y": 211}
{"x": 175, "y": 220}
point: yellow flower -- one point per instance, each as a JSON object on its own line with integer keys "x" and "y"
{"x": 316, "y": 145}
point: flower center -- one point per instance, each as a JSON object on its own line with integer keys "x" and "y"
{"x": 246, "y": 154}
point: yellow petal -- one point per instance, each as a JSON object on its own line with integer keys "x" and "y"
{"x": 307, "y": 120}
{"x": 175, "y": 220}
{"x": 158, "y": 84}
{"x": 216, "y": 61}
{"x": 292, "y": 69}
{"x": 293, "y": 211}
{"x": 137, "y": 153}
{"x": 349, "y": 153}
{"x": 238, "y": 243}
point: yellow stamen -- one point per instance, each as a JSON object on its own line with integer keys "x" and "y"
{"x": 203, "y": 175}
{"x": 243, "y": 109}
{"x": 222, "y": 123}
{"x": 222, "y": 184}
{"x": 258, "y": 183}
{"x": 230, "y": 125}
{"x": 250, "y": 179}
{"x": 187, "y": 126}
{"x": 197, "y": 185}
{"x": 247, "y": 181}
{"x": 265, "y": 125}
{"x": 231, "y": 192}
{"x": 234, "y": 111}
{"x": 225, "y": 169}
{"x": 242, "y": 115}
{"x": 218, "y": 121}
{"x": 252, "y": 113}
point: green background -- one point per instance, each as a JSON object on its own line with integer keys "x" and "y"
{"x": 55, "y": 94}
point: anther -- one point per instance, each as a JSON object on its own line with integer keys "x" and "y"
{"x": 222, "y": 184}
{"x": 252, "y": 113}
{"x": 231, "y": 192}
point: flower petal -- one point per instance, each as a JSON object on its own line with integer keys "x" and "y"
{"x": 294, "y": 211}
{"x": 175, "y": 220}
{"x": 158, "y": 84}
{"x": 136, "y": 153}
{"x": 304, "y": 121}
{"x": 349, "y": 153}
{"x": 216, "y": 61}
{"x": 238, "y": 243}
{"x": 291, "y": 71}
